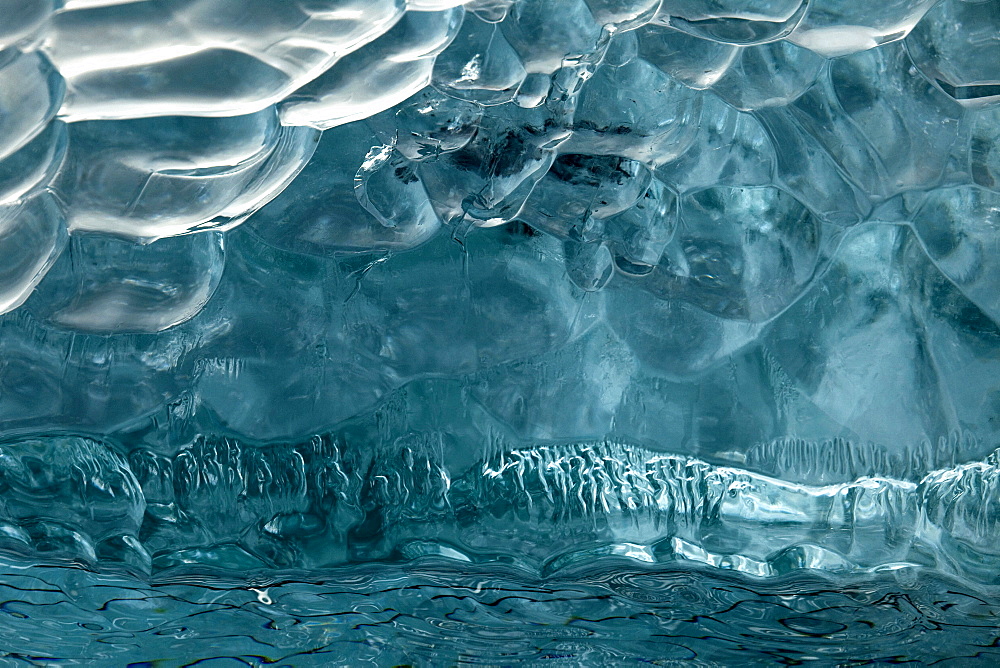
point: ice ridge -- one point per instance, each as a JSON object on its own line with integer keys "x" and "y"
{"x": 226, "y": 504}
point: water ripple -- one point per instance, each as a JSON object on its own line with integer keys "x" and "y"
{"x": 436, "y": 612}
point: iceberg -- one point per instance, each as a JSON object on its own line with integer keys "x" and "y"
{"x": 431, "y": 332}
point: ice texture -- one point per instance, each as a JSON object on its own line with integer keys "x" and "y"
{"x": 542, "y": 289}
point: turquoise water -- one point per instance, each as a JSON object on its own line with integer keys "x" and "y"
{"x": 437, "y": 613}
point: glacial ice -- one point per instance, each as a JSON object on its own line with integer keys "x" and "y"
{"x": 291, "y": 286}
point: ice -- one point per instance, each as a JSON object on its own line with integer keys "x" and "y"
{"x": 958, "y": 227}
{"x": 983, "y": 159}
{"x": 479, "y": 65}
{"x": 769, "y": 75}
{"x": 488, "y": 180}
{"x": 840, "y": 27}
{"x": 625, "y": 14}
{"x": 543, "y": 44}
{"x": 103, "y": 284}
{"x": 33, "y": 234}
{"x": 388, "y": 187}
{"x": 739, "y": 22}
{"x": 31, "y": 92}
{"x": 152, "y": 178}
{"x": 753, "y": 269}
{"x": 877, "y": 386}
{"x": 31, "y": 168}
{"x": 544, "y": 288}
{"x": 428, "y": 125}
{"x": 67, "y": 467}
{"x": 904, "y": 145}
{"x": 580, "y": 191}
{"x": 377, "y": 76}
{"x": 321, "y": 213}
{"x": 229, "y": 504}
{"x": 727, "y": 147}
{"x": 203, "y": 57}
{"x": 507, "y": 307}
{"x": 958, "y": 49}
{"x": 22, "y": 18}
{"x": 651, "y": 118}
{"x": 693, "y": 61}
{"x": 642, "y": 319}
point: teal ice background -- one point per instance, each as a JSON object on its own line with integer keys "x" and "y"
{"x": 505, "y": 332}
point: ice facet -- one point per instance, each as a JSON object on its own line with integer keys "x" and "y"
{"x": 23, "y": 20}
{"x": 164, "y": 176}
{"x": 428, "y": 125}
{"x": 321, "y": 213}
{"x": 727, "y": 147}
{"x": 742, "y": 253}
{"x": 769, "y": 75}
{"x": 31, "y": 91}
{"x": 957, "y": 48}
{"x": 543, "y": 44}
{"x": 103, "y": 284}
{"x": 840, "y": 27}
{"x": 984, "y": 148}
{"x": 32, "y": 234}
{"x": 634, "y": 110}
{"x": 33, "y": 166}
{"x": 693, "y": 61}
{"x": 580, "y": 190}
{"x": 203, "y": 57}
{"x": 958, "y": 227}
{"x": 739, "y": 22}
{"x": 377, "y": 76}
{"x": 480, "y": 64}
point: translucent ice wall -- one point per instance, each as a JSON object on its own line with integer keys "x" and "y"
{"x": 301, "y": 284}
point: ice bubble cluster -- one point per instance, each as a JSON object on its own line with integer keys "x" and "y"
{"x": 296, "y": 283}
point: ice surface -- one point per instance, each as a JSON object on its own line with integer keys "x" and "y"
{"x": 533, "y": 292}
